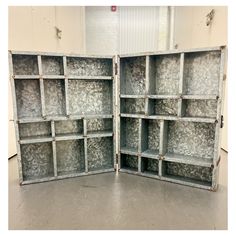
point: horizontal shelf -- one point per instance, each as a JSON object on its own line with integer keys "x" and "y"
{"x": 36, "y": 139}
{"x": 191, "y": 160}
{"x": 198, "y": 119}
{"x": 131, "y": 96}
{"x": 150, "y": 153}
{"x": 200, "y": 97}
{"x": 98, "y": 134}
{"x": 70, "y": 136}
{"x": 26, "y": 76}
{"x": 90, "y": 77}
{"x": 163, "y": 96}
{"x": 133, "y": 115}
{"x": 129, "y": 171}
{"x": 53, "y": 76}
{"x": 129, "y": 151}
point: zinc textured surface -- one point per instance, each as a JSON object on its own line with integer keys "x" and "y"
{"x": 175, "y": 130}
{"x": 55, "y": 113}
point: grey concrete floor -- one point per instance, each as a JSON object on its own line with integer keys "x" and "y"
{"x": 110, "y": 201}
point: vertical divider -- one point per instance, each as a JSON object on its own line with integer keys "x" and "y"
{"x": 139, "y": 144}
{"x": 85, "y": 145}
{"x": 114, "y": 107}
{"x": 147, "y": 85}
{"x": 66, "y": 85}
{"x": 117, "y": 113}
{"x": 54, "y": 151}
{"x": 181, "y": 86}
{"x": 163, "y": 137}
{"x": 41, "y": 84}
{"x": 13, "y": 91}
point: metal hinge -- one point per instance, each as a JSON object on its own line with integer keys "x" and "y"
{"x": 222, "y": 121}
{"x": 116, "y": 69}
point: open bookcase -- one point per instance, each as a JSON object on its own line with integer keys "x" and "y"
{"x": 155, "y": 114}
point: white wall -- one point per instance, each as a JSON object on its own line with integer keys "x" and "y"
{"x": 33, "y": 29}
{"x": 191, "y": 32}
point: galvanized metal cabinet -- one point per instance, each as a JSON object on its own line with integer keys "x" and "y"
{"x": 167, "y": 106}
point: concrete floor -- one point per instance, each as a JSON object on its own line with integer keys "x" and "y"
{"x": 110, "y": 201}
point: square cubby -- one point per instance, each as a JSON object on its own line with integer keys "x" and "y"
{"x": 52, "y": 65}
{"x": 150, "y": 138}
{"x": 164, "y": 74}
{"x": 100, "y": 153}
{"x": 190, "y": 139}
{"x": 166, "y": 107}
{"x": 82, "y": 66}
{"x": 28, "y": 98}
{"x": 37, "y": 161}
{"x": 199, "y": 108}
{"x": 149, "y": 166}
{"x": 99, "y": 125}
{"x": 202, "y": 73}
{"x": 129, "y": 133}
{"x": 69, "y": 127}
{"x": 132, "y": 105}
{"x": 70, "y": 157}
{"x": 54, "y": 92}
{"x": 90, "y": 97}
{"x": 25, "y": 65}
{"x": 132, "y": 76}
{"x": 187, "y": 173}
{"x": 129, "y": 162}
{"x": 35, "y": 130}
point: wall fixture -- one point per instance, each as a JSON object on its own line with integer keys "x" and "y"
{"x": 58, "y": 32}
{"x": 209, "y": 17}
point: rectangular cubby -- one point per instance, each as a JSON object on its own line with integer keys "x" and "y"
{"x": 99, "y": 126}
{"x": 133, "y": 105}
{"x": 35, "y": 130}
{"x": 164, "y": 74}
{"x": 129, "y": 138}
{"x": 25, "y": 64}
{"x": 167, "y": 107}
{"x": 201, "y": 73}
{"x": 68, "y": 127}
{"x": 54, "y": 92}
{"x": 132, "y": 78}
{"x": 187, "y": 173}
{"x": 129, "y": 162}
{"x": 199, "y": 108}
{"x": 37, "y": 161}
{"x": 90, "y": 97}
{"x": 52, "y": 65}
{"x": 89, "y": 66}
{"x": 100, "y": 153}
{"x": 150, "y": 140}
{"x": 190, "y": 139}
{"x": 70, "y": 157}
{"x": 150, "y": 166}
{"x": 28, "y": 98}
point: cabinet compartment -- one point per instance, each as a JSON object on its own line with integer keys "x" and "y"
{"x": 90, "y": 97}
{"x": 37, "y": 161}
{"x": 35, "y": 130}
{"x": 100, "y": 153}
{"x": 164, "y": 74}
{"x": 149, "y": 166}
{"x": 52, "y": 65}
{"x": 28, "y": 99}
{"x": 191, "y": 139}
{"x": 25, "y": 65}
{"x": 132, "y": 78}
{"x": 168, "y": 107}
{"x": 129, "y": 136}
{"x": 70, "y": 157}
{"x": 150, "y": 136}
{"x": 89, "y": 66}
{"x": 54, "y": 92}
{"x": 202, "y": 73}
{"x": 129, "y": 162}
{"x": 69, "y": 127}
{"x": 133, "y": 105}
{"x": 199, "y": 108}
{"x": 99, "y": 125}
{"x": 188, "y": 173}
